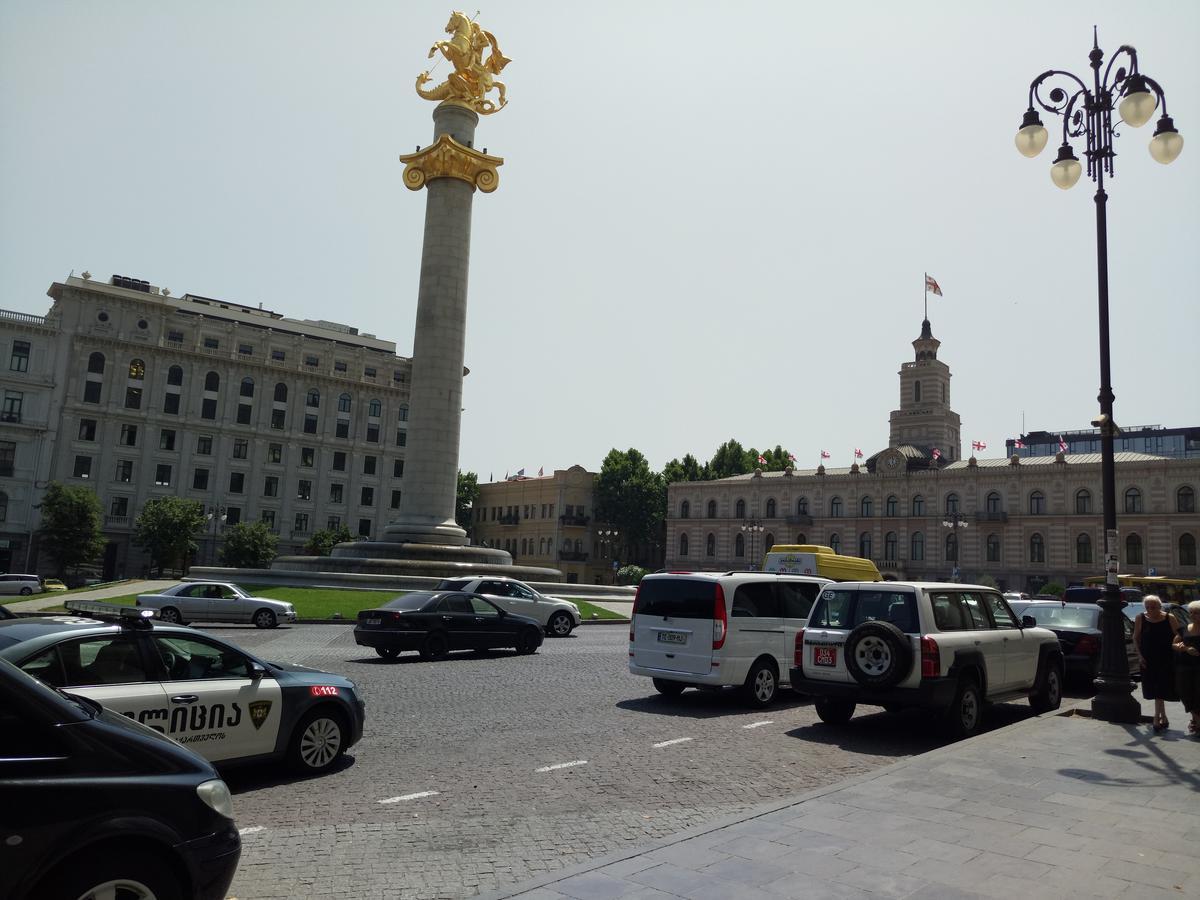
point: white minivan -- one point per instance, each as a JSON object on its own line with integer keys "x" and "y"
{"x": 20, "y": 584}
{"x": 705, "y": 629}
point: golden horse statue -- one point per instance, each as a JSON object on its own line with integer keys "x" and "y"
{"x": 473, "y": 76}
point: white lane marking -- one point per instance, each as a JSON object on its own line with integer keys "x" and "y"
{"x": 416, "y": 796}
{"x": 566, "y": 765}
{"x": 760, "y": 724}
{"x": 252, "y": 829}
{"x": 669, "y": 743}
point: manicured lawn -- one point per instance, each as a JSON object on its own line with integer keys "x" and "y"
{"x": 587, "y": 609}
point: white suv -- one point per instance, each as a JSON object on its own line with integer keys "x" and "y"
{"x": 946, "y": 647}
{"x": 702, "y": 629}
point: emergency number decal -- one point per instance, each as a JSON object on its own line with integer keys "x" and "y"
{"x": 323, "y": 690}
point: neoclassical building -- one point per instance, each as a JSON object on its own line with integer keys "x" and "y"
{"x": 921, "y": 511}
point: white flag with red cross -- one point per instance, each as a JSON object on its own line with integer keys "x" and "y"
{"x": 937, "y": 454}
{"x": 931, "y": 286}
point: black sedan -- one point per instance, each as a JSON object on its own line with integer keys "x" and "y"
{"x": 1078, "y": 628}
{"x": 435, "y": 622}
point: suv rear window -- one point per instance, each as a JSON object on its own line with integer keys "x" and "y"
{"x": 680, "y": 598}
{"x": 849, "y": 609}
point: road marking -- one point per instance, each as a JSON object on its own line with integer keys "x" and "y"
{"x": 416, "y": 796}
{"x": 567, "y": 765}
{"x": 253, "y": 829}
{"x": 760, "y": 724}
{"x": 669, "y": 743}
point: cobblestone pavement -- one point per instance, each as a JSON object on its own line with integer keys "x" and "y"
{"x": 462, "y": 784}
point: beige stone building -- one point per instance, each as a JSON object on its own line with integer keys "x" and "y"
{"x": 1025, "y": 520}
{"x": 137, "y": 394}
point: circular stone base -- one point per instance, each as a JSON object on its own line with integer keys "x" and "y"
{"x": 442, "y": 561}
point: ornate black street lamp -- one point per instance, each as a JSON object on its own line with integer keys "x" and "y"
{"x": 1087, "y": 113}
{"x": 754, "y": 528}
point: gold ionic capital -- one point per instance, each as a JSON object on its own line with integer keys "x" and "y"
{"x": 447, "y": 158}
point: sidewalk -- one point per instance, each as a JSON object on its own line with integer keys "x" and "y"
{"x": 1058, "y": 805}
{"x": 58, "y": 598}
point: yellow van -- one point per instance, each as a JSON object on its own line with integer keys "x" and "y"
{"x": 815, "y": 559}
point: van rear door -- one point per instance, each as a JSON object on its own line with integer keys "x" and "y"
{"x": 673, "y": 628}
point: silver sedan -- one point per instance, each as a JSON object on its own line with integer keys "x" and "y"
{"x": 216, "y": 601}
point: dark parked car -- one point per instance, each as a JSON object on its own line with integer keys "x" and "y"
{"x": 1089, "y": 594}
{"x": 1078, "y": 628}
{"x": 6, "y": 614}
{"x": 435, "y": 622}
{"x": 1174, "y": 610}
{"x": 92, "y": 804}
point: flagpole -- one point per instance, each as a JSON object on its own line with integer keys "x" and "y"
{"x": 926, "y": 283}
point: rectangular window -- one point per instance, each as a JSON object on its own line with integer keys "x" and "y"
{"x": 268, "y": 518}
{"x": 335, "y": 493}
{"x": 204, "y": 445}
{"x": 368, "y": 372}
{"x": 233, "y": 515}
{"x": 301, "y": 523}
{"x": 129, "y": 435}
{"x": 271, "y": 486}
{"x": 208, "y": 408}
{"x": 200, "y": 480}
{"x": 368, "y": 497}
{"x": 8, "y": 456}
{"x": 91, "y": 392}
{"x": 171, "y": 404}
{"x": 87, "y": 429}
{"x": 339, "y": 366}
{"x": 162, "y": 475}
{"x": 304, "y": 489}
{"x": 278, "y": 355}
{"x": 237, "y": 482}
{"x": 19, "y": 362}
{"x": 310, "y": 423}
{"x": 166, "y": 439}
{"x": 364, "y": 528}
{"x": 13, "y": 401}
{"x": 245, "y": 350}
{"x": 311, "y": 361}
{"x": 243, "y": 413}
{"x": 395, "y": 499}
{"x": 397, "y": 376}
{"x": 401, "y": 437}
{"x": 277, "y": 417}
{"x": 398, "y": 468}
{"x": 175, "y": 337}
{"x": 274, "y": 453}
{"x": 368, "y": 465}
{"x": 125, "y": 470}
{"x": 339, "y": 461}
{"x": 342, "y": 429}
{"x": 241, "y": 448}
{"x": 333, "y": 523}
{"x": 119, "y": 506}
{"x": 373, "y": 434}
{"x": 133, "y": 398}
{"x": 308, "y": 456}
{"x": 211, "y": 343}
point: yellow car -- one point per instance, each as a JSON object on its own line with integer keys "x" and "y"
{"x": 53, "y": 584}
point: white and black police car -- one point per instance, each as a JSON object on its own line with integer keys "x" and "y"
{"x": 205, "y": 693}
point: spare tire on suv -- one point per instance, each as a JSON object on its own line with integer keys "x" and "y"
{"x": 878, "y": 654}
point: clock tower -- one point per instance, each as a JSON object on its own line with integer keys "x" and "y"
{"x": 925, "y": 419}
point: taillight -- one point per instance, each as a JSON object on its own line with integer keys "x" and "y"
{"x": 931, "y": 658}
{"x": 798, "y": 658}
{"x": 397, "y": 617}
{"x": 1088, "y": 645}
{"x": 633, "y": 612}
{"x": 719, "y": 621}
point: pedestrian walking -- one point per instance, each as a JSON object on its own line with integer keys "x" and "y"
{"x": 1153, "y": 634}
{"x": 1187, "y": 665}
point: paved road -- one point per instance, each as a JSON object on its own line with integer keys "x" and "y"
{"x": 482, "y": 772}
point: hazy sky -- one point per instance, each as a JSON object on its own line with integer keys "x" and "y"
{"x": 713, "y": 218}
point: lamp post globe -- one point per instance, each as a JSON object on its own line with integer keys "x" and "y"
{"x": 1167, "y": 143}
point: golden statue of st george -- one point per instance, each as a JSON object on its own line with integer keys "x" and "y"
{"x": 473, "y": 77}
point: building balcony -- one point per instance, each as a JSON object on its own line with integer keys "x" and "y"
{"x": 575, "y": 521}
{"x": 991, "y": 517}
{"x": 508, "y": 520}
{"x": 173, "y": 345}
{"x": 799, "y": 519}
{"x": 572, "y": 556}
{"x": 116, "y": 521}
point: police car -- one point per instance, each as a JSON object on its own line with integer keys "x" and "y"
{"x": 208, "y": 695}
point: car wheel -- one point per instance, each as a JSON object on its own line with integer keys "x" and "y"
{"x": 834, "y": 712}
{"x": 527, "y": 641}
{"x": 965, "y": 714}
{"x": 560, "y": 624}
{"x": 669, "y": 688}
{"x": 1048, "y": 696}
{"x": 387, "y": 652}
{"x": 265, "y": 618}
{"x": 878, "y": 654}
{"x": 435, "y": 646}
{"x": 317, "y": 742}
{"x": 25, "y": 591}
{"x": 761, "y": 684}
{"x": 170, "y": 615}
{"x": 97, "y": 876}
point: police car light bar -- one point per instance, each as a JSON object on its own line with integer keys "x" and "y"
{"x": 105, "y": 611}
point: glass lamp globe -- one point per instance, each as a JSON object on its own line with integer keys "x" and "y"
{"x": 1138, "y": 104}
{"x": 1066, "y": 169}
{"x": 1167, "y": 143}
{"x": 1031, "y": 137}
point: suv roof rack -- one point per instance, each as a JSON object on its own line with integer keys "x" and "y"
{"x": 110, "y": 612}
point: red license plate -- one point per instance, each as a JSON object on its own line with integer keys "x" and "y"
{"x": 824, "y": 656}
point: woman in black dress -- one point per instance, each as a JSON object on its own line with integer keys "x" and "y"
{"x": 1187, "y": 665}
{"x": 1153, "y": 634}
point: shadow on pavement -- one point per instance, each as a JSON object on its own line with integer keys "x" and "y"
{"x": 1150, "y": 752}
{"x": 694, "y": 704}
{"x": 253, "y": 776}
{"x": 412, "y": 657}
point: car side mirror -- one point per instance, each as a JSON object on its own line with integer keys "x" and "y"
{"x": 1028, "y": 622}
{"x": 257, "y": 670}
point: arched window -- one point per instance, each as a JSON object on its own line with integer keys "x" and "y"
{"x": 1037, "y": 548}
{"x": 247, "y": 388}
{"x": 281, "y": 393}
{"x": 916, "y": 392}
{"x": 889, "y": 546}
{"x": 1083, "y": 502}
{"x": 892, "y": 506}
{"x": 402, "y": 415}
{"x": 313, "y": 399}
{"x": 175, "y": 375}
{"x": 952, "y": 547}
{"x": 864, "y": 545}
{"x": 802, "y": 506}
{"x": 3, "y": 507}
{"x": 835, "y": 543}
{"x": 1083, "y": 549}
{"x": 137, "y": 369}
{"x": 96, "y": 363}
{"x": 771, "y": 508}
{"x": 683, "y": 545}
{"x": 918, "y": 505}
{"x": 524, "y": 546}
{"x": 865, "y": 507}
{"x": 212, "y": 382}
{"x": 1185, "y": 500}
{"x": 993, "y": 548}
{"x": 768, "y": 542}
{"x": 739, "y": 546}
{"x": 918, "y": 546}
{"x": 685, "y": 510}
{"x": 835, "y": 507}
{"x": 951, "y": 504}
{"x": 710, "y": 545}
{"x": 712, "y": 509}
{"x": 578, "y": 545}
{"x": 1133, "y": 501}
{"x": 1187, "y": 549}
{"x": 1133, "y": 549}
{"x": 992, "y": 502}
{"x": 740, "y": 510}
{"x": 1037, "y": 504}
{"x": 802, "y": 538}
{"x": 344, "y": 403}
{"x": 375, "y": 408}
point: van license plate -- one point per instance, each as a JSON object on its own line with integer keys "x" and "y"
{"x": 672, "y": 637}
{"x": 824, "y": 656}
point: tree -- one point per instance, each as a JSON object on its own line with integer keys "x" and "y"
{"x": 249, "y": 546}
{"x": 71, "y": 526}
{"x": 1054, "y": 588}
{"x": 686, "y": 469}
{"x": 730, "y": 459}
{"x": 631, "y": 497}
{"x": 468, "y": 495}
{"x": 166, "y": 529}
{"x": 323, "y": 541}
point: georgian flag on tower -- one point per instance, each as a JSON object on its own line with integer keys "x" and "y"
{"x": 858, "y": 454}
{"x": 824, "y": 454}
{"x": 978, "y": 445}
{"x": 762, "y": 460}
{"x": 1018, "y": 444}
{"x": 1062, "y": 445}
{"x": 931, "y": 286}
{"x": 937, "y": 454}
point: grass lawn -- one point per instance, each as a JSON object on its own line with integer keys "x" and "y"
{"x": 587, "y": 609}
